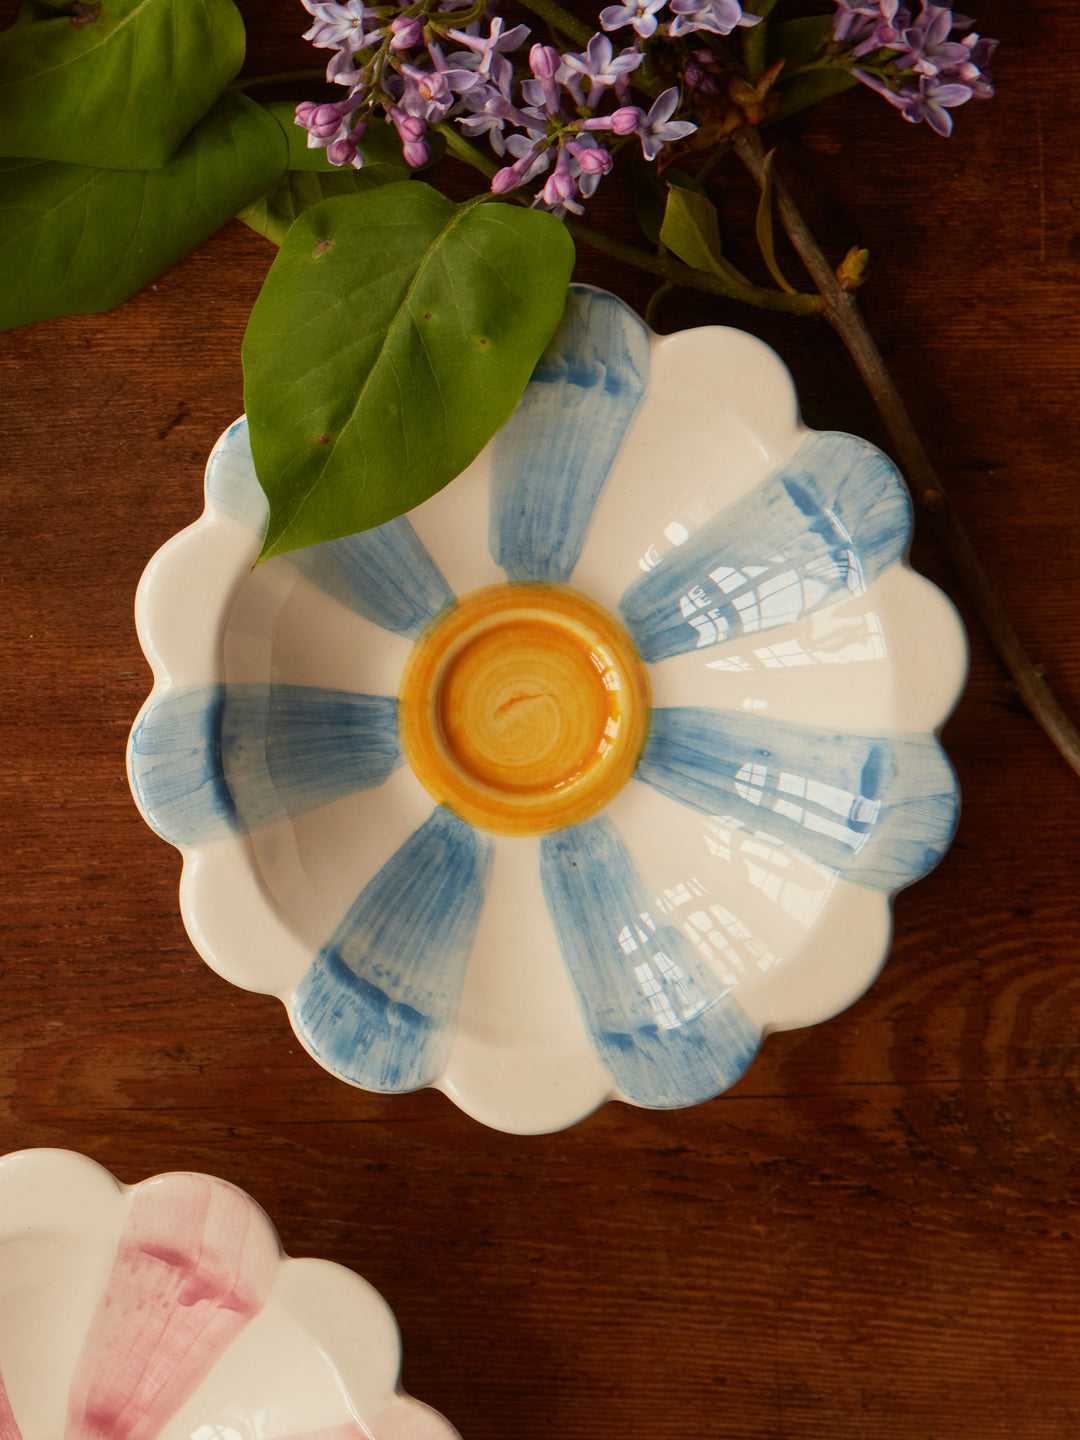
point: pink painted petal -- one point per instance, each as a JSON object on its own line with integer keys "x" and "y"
{"x": 8, "y": 1429}
{"x": 195, "y": 1263}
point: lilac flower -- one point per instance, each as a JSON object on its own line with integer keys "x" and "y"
{"x": 925, "y": 46}
{"x": 600, "y": 66}
{"x": 498, "y": 40}
{"x": 340, "y": 26}
{"x": 718, "y": 17}
{"x": 641, "y": 14}
{"x": 974, "y": 69}
{"x": 931, "y": 102}
{"x": 491, "y": 107}
{"x": 657, "y": 127}
{"x": 861, "y": 21}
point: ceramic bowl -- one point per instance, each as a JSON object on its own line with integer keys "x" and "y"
{"x": 578, "y": 780}
{"x": 167, "y": 1311}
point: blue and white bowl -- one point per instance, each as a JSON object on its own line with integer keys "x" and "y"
{"x": 740, "y": 880}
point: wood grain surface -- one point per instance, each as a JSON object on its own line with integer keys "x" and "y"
{"x": 875, "y": 1233}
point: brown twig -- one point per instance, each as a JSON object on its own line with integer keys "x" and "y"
{"x": 843, "y": 314}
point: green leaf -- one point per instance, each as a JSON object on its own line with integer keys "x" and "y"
{"x": 297, "y": 190}
{"x": 811, "y": 88}
{"x": 74, "y": 239}
{"x": 763, "y": 225}
{"x": 651, "y": 193}
{"x": 804, "y": 42}
{"x": 799, "y": 42}
{"x": 120, "y": 91}
{"x": 691, "y": 230}
{"x": 393, "y": 336}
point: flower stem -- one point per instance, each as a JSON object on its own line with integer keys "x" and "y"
{"x": 281, "y": 77}
{"x": 462, "y": 149}
{"x": 843, "y": 314}
{"x": 675, "y": 272}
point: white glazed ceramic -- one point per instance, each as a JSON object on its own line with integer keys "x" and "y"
{"x": 739, "y": 882}
{"x": 167, "y": 1311}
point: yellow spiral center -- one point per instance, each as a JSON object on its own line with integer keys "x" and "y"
{"x": 524, "y": 708}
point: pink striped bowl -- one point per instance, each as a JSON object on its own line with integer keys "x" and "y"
{"x": 168, "y": 1311}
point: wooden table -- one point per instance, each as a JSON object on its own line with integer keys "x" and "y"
{"x": 876, "y": 1233}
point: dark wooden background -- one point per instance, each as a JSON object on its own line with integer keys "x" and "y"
{"x": 874, "y": 1234}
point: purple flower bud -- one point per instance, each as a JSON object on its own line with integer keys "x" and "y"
{"x": 593, "y": 162}
{"x": 626, "y": 120}
{"x": 505, "y": 179}
{"x": 416, "y": 153}
{"x": 325, "y": 121}
{"x": 407, "y": 33}
{"x": 544, "y": 61}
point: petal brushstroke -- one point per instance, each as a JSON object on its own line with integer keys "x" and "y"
{"x": 819, "y": 529}
{"x": 8, "y": 1428}
{"x": 879, "y": 809}
{"x": 549, "y": 462}
{"x": 196, "y": 1262}
{"x": 386, "y": 575}
{"x": 667, "y": 1029}
{"x": 214, "y": 759}
{"x": 231, "y": 487}
{"x": 379, "y": 1004}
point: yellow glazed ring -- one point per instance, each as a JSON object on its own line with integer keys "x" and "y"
{"x": 524, "y": 708}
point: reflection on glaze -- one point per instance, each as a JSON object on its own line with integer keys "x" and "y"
{"x": 665, "y": 1027}
{"x": 379, "y": 1004}
{"x": 880, "y": 810}
{"x": 830, "y": 639}
{"x": 213, "y": 759}
{"x": 195, "y": 1264}
{"x": 549, "y": 462}
{"x": 823, "y": 526}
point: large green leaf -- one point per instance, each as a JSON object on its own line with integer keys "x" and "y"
{"x": 273, "y": 213}
{"x": 75, "y": 239}
{"x": 392, "y": 338}
{"x": 116, "y": 85}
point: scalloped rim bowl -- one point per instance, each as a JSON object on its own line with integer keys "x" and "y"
{"x": 167, "y": 1310}
{"x": 740, "y": 882}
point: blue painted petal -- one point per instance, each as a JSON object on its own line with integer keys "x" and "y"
{"x": 667, "y": 1029}
{"x": 215, "y": 759}
{"x": 822, "y": 527}
{"x": 379, "y": 1003}
{"x": 879, "y": 809}
{"x": 174, "y": 765}
{"x": 287, "y": 749}
{"x": 549, "y": 462}
{"x": 384, "y": 574}
{"x": 231, "y": 485}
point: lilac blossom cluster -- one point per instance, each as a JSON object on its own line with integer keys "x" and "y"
{"x": 930, "y": 70}
{"x": 429, "y": 62}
